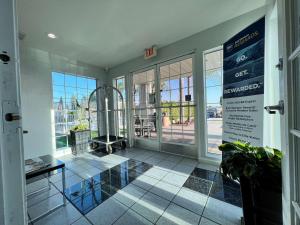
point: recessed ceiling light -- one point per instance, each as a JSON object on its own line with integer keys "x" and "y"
{"x": 51, "y": 35}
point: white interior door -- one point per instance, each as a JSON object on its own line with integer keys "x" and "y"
{"x": 289, "y": 51}
{"x": 12, "y": 181}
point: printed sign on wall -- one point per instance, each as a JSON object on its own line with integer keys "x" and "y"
{"x": 243, "y": 85}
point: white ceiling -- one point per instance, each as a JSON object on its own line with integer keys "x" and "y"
{"x": 109, "y": 32}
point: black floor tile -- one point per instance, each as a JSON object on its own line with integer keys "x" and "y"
{"x": 86, "y": 195}
{"x": 98, "y": 153}
{"x": 226, "y": 194}
{"x": 91, "y": 192}
{"x": 110, "y": 190}
{"x": 204, "y": 174}
{"x": 220, "y": 179}
{"x": 133, "y": 163}
{"x": 198, "y": 184}
{"x": 143, "y": 167}
{"x": 90, "y": 200}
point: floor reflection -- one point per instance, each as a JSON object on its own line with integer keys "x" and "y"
{"x": 91, "y": 192}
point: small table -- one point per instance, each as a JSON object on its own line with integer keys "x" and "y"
{"x": 52, "y": 164}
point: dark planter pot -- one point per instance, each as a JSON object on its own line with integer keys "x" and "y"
{"x": 79, "y": 141}
{"x": 262, "y": 205}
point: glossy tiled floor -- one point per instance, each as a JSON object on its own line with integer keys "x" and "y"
{"x": 137, "y": 187}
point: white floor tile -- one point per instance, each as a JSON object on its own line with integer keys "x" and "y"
{"x": 153, "y": 160}
{"x": 222, "y": 212}
{"x": 63, "y": 216}
{"x": 69, "y": 182}
{"x": 208, "y": 167}
{"x": 104, "y": 165}
{"x": 132, "y": 218}
{"x": 76, "y": 169}
{"x": 174, "y": 158}
{"x": 58, "y": 177}
{"x": 87, "y": 166}
{"x": 37, "y": 185}
{"x": 114, "y": 159}
{"x": 191, "y": 200}
{"x": 129, "y": 195}
{"x": 45, "y": 205}
{"x": 156, "y": 173}
{"x": 145, "y": 182}
{"x": 189, "y": 162}
{"x": 166, "y": 165}
{"x": 142, "y": 157}
{"x": 150, "y": 206}
{"x": 164, "y": 182}
{"x": 175, "y": 179}
{"x": 82, "y": 221}
{"x": 107, "y": 213}
{"x": 36, "y": 198}
{"x": 183, "y": 169}
{"x": 176, "y": 215}
{"x": 205, "y": 221}
{"x": 86, "y": 174}
{"x": 165, "y": 190}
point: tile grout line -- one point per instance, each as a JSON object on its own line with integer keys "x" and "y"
{"x": 146, "y": 191}
{"x": 84, "y": 215}
{"x": 208, "y": 196}
{"x": 170, "y": 201}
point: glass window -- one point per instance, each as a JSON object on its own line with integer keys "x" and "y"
{"x": 70, "y": 97}
{"x": 119, "y": 83}
{"x": 177, "y": 102}
{"x": 213, "y": 61}
{"x": 144, "y": 112}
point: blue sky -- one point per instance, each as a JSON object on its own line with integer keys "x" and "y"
{"x": 75, "y": 85}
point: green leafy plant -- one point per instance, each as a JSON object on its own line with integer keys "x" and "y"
{"x": 80, "y": 127}
{"x": 255, "y": 163}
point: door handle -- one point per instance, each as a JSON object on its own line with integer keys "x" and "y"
{"x": 273, "y": 108}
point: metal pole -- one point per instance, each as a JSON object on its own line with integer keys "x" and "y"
{"x": 63, "y": 173}
{"x": 106, "y": 118}
{"x": 48, "y": 178}
{"x": 124, "y": 116}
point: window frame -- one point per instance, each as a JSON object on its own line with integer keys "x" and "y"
{"x": 207, "y": 153}
{"x": 115, "y": 84}
{"x": 193, "y": 103}
{"x": 65, "y": 149}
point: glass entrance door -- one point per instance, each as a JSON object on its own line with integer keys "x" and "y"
{"x": 177, "y": 102}
{"x": 144, "y": 109}
{"x": 163, "y": 107}
{"x": 177, "y": 107}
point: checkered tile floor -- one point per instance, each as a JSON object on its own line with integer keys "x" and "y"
{"x": 137, "y": 186}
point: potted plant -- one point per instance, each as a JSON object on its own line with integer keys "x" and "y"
{"x": 79, "y": 137}
{"x": 258, "y": 169}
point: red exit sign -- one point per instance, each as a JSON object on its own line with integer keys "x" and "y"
{"x": 150, "y": 52}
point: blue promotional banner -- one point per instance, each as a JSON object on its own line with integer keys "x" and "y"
{"x": 243, "y": 85}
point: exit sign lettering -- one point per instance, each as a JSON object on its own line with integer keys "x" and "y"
{"x": 150, "y": 52}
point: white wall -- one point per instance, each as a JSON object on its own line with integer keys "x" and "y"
{"x": 207, "y": 39}
{"x": 36, "y": 93}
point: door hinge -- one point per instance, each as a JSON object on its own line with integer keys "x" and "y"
{"x": 279, "y": 66}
